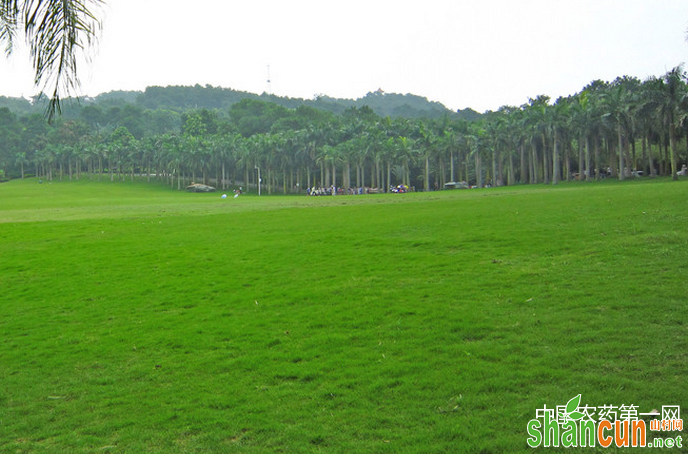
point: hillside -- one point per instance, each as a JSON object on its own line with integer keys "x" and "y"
{"x": 181, "y": 98}
{"x": 384, "y": 104}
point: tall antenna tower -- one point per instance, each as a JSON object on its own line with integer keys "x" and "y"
{"x": 269, "y": 82}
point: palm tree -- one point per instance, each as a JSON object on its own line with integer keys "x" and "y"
{"x": 426, "y": 140}
{"x": 614, "y": 101}
{"x": 57, "y": 32}
{"x": 170, "y": 157}
{"x": 225, "y": 147}
{"x": 449, "y": 142}
{"x": 672, "y": 107}
{"x": 502, "y": 138}
{"x": 474, "y": 139}
{"x": 534, "y": 125}
{"x": 514, "y": 141}
{"x": 21, "y": 159}
{"x": 557, "y": 119}
{"x": 405, "y": 153}
{"x": 302, "y": 156}
{"x": 651, "y": 124}
{"x": 518, "y": 125}
{"x": 581, "y": 120}
{"x": 360, "y": 154}
{"x": 328, "y": 158}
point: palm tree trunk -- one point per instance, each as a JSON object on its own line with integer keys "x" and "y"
{"x": 672, "y": 145}
{"x": 663, "y": 157}
{"x": 334, "y": 176}
{"x": 597, "y": 159}
{"x": 426, "y": 179}
{"x": 373, "y": 175}
{"x": 478, "y": 171}
{"x": 555, "y": 159}
{"x": 587, "y": 158}
{"x": 451, "y": 164}
{"x": 567, "y": 160}
{"x": 622, "y": 170}
{"x": 581, "y": 158}
{"x": 522, "y": 177}
{"x": 443, "y": 177}
{"x": 347, "y": 175}
{"x": 533, "y": 164}
{"x": 389, "y": 176}
{"x": 494, "y": 168}
{"x": 651, "y": 170}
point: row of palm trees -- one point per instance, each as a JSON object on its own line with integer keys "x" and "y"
{"x": 618, "y": 129}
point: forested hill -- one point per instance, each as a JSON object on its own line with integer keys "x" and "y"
{"x": 181, "y": 98}
{"x": 384, "y": 104}
{"x": 208, "y": 97}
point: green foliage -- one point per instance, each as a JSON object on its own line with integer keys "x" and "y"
{"x": 621, "y": 129}
{"x": 118, "y": 97}
{"x": 196, "y": 97}
{"x": 468, "y": 114}
{"x": 19, "y": 106}
{"x": 398, "y": 105}
{"x": 216, "y": 98}
{"x": 256, "y": 117}
{"x": 193, "y": 125}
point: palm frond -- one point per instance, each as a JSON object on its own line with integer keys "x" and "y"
{"x": 8, "y": 23}
{"x": 58, "y": 33}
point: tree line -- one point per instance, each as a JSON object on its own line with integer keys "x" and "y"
{"x": 617, "y": 129}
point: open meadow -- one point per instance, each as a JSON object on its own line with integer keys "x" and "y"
{"x": 139, "y": 319}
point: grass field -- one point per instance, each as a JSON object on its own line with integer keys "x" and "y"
{"x": 137, "y": 319}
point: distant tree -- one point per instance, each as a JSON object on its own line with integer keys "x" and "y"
{"x": 557, "y": 118}
{"x": 199, "y": 122}
{"x": 193, "y": 125}
{"x": 120, "y": 145}
{"x": 256, "y": 117}
{"x": 9, "y": 139}
{"x": 161, "y": 121}
{"x": 672, "y": 109}
{"x": 93, "y": 115}
{"x": 616, "y": 102}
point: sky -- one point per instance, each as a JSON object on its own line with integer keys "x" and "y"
{"x": 479, "y": 54}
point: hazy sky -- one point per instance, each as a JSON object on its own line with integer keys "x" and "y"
{"x": 463, "y": 53}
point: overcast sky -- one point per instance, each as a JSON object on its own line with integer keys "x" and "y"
{"x": 463, "y": 53}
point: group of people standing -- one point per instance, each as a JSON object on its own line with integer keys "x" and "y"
{"x": 333, "y": 190}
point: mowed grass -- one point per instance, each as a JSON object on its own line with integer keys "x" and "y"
{"x": 137, "y": 319}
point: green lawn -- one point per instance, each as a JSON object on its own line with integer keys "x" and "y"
{"x": 138, "y": 319}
